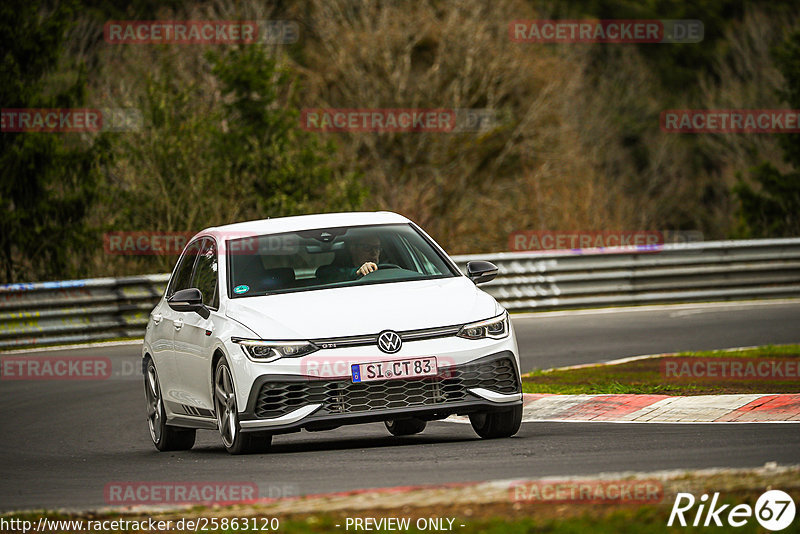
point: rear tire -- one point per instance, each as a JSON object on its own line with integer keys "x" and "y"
{"x": 491, "y": 425}
{"x": 165, "y": 437}
{"x": 235, "y": 441}
{"x": 405, "y": 427}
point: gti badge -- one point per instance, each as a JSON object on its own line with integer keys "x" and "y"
{"x": 389, "y": 342}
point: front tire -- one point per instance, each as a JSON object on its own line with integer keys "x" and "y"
{"x": 235, "y": 441}
{"x": 164, "y": 436}
{"x": 491, "y": 425}
{"x": 405, "y": 427}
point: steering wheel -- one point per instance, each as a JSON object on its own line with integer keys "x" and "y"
{"x": 381, "y": 271}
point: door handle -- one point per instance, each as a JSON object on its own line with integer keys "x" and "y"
{"x": 156, "y": 318}
{"x": 178, "y": 323}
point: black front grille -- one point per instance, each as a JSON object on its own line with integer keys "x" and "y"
{"x": 343, "y": 396}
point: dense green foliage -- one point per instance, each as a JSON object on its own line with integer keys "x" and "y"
{"x": 47, "y": 182}
{"x": 577, "y": 145}
{"x": 676, "y": 66}
{"x": 241, "y": 157}
{"x": 774, "y": 210}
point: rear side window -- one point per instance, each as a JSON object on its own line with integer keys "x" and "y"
{"x": 205, "y": 274}
{"x": 182, "y": 278}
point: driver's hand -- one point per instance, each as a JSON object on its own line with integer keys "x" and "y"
{"x": 366, "y": 268}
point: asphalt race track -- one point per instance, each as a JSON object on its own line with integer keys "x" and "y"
{"x": 569, "y": 338}
{"x": 63, "y": 441}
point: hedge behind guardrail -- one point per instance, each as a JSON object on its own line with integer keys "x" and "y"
{"x": 47, "y": 313}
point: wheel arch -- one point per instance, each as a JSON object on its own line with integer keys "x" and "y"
{"x": 146, "y": 356}
{"x": 215, "y": 357}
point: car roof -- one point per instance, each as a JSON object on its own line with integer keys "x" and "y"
{"x": 303, "y": 222}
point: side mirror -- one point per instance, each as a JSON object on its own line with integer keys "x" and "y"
{"x": 189, "y": 300}
{"x": 481, "y": 271}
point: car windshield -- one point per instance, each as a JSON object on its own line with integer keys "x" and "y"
{"x": 331, "y": 257}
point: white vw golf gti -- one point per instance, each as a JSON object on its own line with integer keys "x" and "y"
{"x": 317, "y": 321}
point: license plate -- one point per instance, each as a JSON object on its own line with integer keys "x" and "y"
{"x": 396, "y": 369}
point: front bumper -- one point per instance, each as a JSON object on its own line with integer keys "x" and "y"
{"x": 284, "y": 403}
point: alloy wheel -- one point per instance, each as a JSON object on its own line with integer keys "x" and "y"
{"x": 225, "y": 404}
{"x": 154, "y": 409}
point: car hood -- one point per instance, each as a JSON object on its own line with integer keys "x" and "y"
{"x": 368, "y": 309}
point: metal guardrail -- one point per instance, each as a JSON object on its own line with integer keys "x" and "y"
{"x": 49, "y": 313}
{"x": 706, "y": 271}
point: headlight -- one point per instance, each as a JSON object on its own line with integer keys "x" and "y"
{"x": 494, "y": 328}
{"x": 269, "y": 351}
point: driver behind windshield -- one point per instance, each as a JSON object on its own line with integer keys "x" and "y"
{"x": 364, "y": 253}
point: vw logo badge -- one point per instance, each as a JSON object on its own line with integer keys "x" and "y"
{"x": 389, "y": 342}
